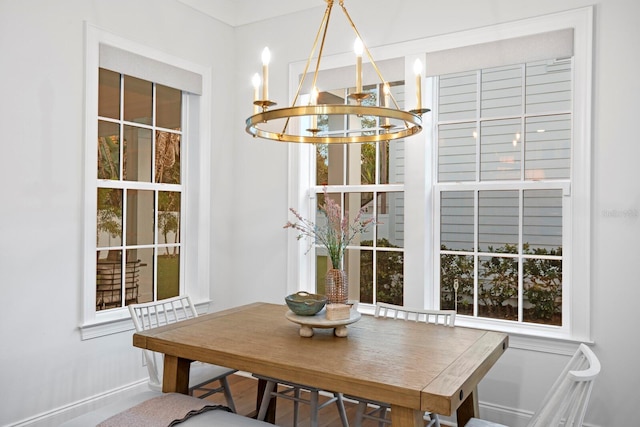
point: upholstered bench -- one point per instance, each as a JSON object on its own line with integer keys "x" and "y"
{"x": 208, "y": 418}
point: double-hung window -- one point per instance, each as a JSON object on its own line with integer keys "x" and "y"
{"x": 147, "y": 180}
{"x": 503, "y": 183}
{"x": 495, "y": 192}
{"x": 510, "y": 177}
{"x": 139, "y": 191}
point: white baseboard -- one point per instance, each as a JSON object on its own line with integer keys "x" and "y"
{"x": 57, "y": 416}
{"x": 511, "y": 417}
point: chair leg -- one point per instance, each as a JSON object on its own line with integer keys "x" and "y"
{"x": 362, "y": 407}
{"x": 383, "y": 415}
{"x": 224, "y": 382}
{"x": 341, "y": 410}
{"x": 296, "y": 403}
{"x": 434, "y": 420}
{"x": 313, "y": 407}
{"x": 266, "y": 397}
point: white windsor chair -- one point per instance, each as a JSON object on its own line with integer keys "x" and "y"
{"x": 377, "y": 411}
{"x": 172, "y": 310}
{"x": 566, "y": 402}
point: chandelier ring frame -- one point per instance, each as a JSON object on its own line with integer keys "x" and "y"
{"x": 412, "y": 120}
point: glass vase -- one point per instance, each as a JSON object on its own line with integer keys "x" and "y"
{"x": 336, "y": 286}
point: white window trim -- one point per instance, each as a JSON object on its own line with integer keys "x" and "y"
{"x": 196, "y": 176}
{"x": 419, "y": 216}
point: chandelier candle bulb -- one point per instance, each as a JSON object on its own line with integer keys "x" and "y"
{"x": 417, "y": 68}
{"x": 358, "y": 47}
{"x": 266, "y": 57}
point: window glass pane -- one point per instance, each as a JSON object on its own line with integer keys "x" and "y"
{"x": 353, "y": 203}
{"x": 336, "y": 163}
{"x": 108, "y": 94}
{"x": 390, "y": 277}
{"x": 140, "y": 221}
{"x": 543, "y": 291}
{"x": 365, "y": 275}
{"x": 322, "y": 164}
{"x": 548, "y": 86}
{"x": 366, "y": 164}
{"x": 390, "y": 219}
{"x": 457, "y": 152}
{"x": 138, "y": 100}
{"x": 109, "y": 218}
{"x": 548, "y": 147}
{"x": 498, "y": 221}
{"x": 168, "y": 217}
{"x": 168, "y": 107}
{"x": 167, "y": 157}
{"x": 328, "y": 223}
{"x": 392, "y": 162}
{"x": 498, "y": 287}
{"x": 542, "y": 221}
{"x": 108, "y": 150}
{"x": 168, "y": 272}
{"x": 109, "y": 279}
{"x": 457, "y": 220}
{"x": 457, "y": 96}
{"x": 322, "y": 266}
{"x": 456, "y": 269}
{"x": 139, "y": 276}
{"x": 137, "y": 154}
{"x": 500, "y": 150}
{"x": 392, "y": 153}
{"x": 501, "y": 91}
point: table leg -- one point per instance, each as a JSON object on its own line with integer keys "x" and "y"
{"x": 271, "y": 411}
{"x": 468, "y": 408}
{"x": 176, "y": 375}
{"x": 406, "y": 417}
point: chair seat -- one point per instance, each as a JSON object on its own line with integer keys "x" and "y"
{"x": 476, "y": 422}
{"x": 206, "y": 419}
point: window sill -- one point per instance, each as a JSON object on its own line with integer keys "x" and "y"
{"x": 118, "y": 321}
{"x": 544, "y": 339}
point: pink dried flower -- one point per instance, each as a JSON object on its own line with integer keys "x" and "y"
{"x": 337, "y": 234}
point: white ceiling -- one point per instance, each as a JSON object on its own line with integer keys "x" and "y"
{"x": 240, "y": 12}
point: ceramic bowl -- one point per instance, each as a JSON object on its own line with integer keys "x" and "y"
{"x": 305, "y": 304}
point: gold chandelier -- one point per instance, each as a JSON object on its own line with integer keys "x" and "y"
{"x": 276, "y": 124}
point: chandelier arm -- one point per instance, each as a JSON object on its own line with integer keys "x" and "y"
{"x": 324, "y": 23}
{"x": 324, "y": 36}
{"x": 366, "y": 49}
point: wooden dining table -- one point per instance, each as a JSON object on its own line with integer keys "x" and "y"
{"x": 415, "y": 367}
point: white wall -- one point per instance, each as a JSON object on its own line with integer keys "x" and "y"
{"x": 45, "y": 367}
